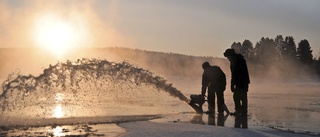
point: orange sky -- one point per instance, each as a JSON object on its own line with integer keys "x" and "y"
{"x": 189, "y": 27}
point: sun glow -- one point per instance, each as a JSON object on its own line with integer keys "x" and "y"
{"x": 56, "y": 35}
{"x": 58, "y": 113}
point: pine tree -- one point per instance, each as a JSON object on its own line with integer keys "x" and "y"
{"x": 247, "y": 49}
{"x": 289, "y": 48}
{"x": 304, "y": 52}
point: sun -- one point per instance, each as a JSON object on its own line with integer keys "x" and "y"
{"x": 56, "y": 35}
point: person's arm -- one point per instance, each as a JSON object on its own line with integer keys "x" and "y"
{"x": 204, "y": 85}
{"x": 233, "y": 83}
{"x": 203, "y": 90}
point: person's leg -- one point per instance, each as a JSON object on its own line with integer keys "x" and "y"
{"x": 220, "y": 120}
{"x": 236, "y": 99}
{"x": 211, "y": 100}
{"x": 244, "y": 103}
{"x": 244, "y": 121}
{"x": 211, "y": 120}
{"x": 220, "y": 100}
{"x": 237, "y": 122}
{"x": 244, "y": 98}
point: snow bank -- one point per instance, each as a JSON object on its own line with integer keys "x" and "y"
{"x": 154, "y": 129}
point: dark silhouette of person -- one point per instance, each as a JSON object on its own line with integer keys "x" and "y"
{"x": 211, "y": 120}
{"x": 213, "y": 79}
{"x": 239, "y": 81}
{"x": 197, "y": 119}
{"x": 222, "y": 119}
{"x": 241, "y": 122}
{"x": 196, "y": 103}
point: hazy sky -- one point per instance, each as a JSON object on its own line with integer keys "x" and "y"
{"x": 192, "y": 27}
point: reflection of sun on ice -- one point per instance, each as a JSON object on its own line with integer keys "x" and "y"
{"x": 58, "y": 131}
{"x": 58, "y": 113}
{"x": 56, "y": 35}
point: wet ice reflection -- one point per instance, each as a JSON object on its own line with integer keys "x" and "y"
{"x": 58, "y": 132}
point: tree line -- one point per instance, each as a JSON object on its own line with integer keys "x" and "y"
{"x": 279, "y": 55}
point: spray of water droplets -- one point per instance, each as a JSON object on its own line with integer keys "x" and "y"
{"x": 79, "y": 85}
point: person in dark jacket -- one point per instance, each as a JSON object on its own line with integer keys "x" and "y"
{"x": 239, "y": 81}
{"x": 213, "y": 79}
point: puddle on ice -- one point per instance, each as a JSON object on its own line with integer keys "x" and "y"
{"x": 109, "y": 130}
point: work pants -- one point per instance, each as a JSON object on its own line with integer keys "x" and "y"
{"x": 211, "y": 100}
{"x": 240, "y": 101}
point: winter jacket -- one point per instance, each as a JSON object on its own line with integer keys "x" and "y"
{"x": 214, "y": 78}
{"x": 239, "y": 72}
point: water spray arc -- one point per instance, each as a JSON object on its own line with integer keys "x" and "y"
{"x": 72, "y": 77}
